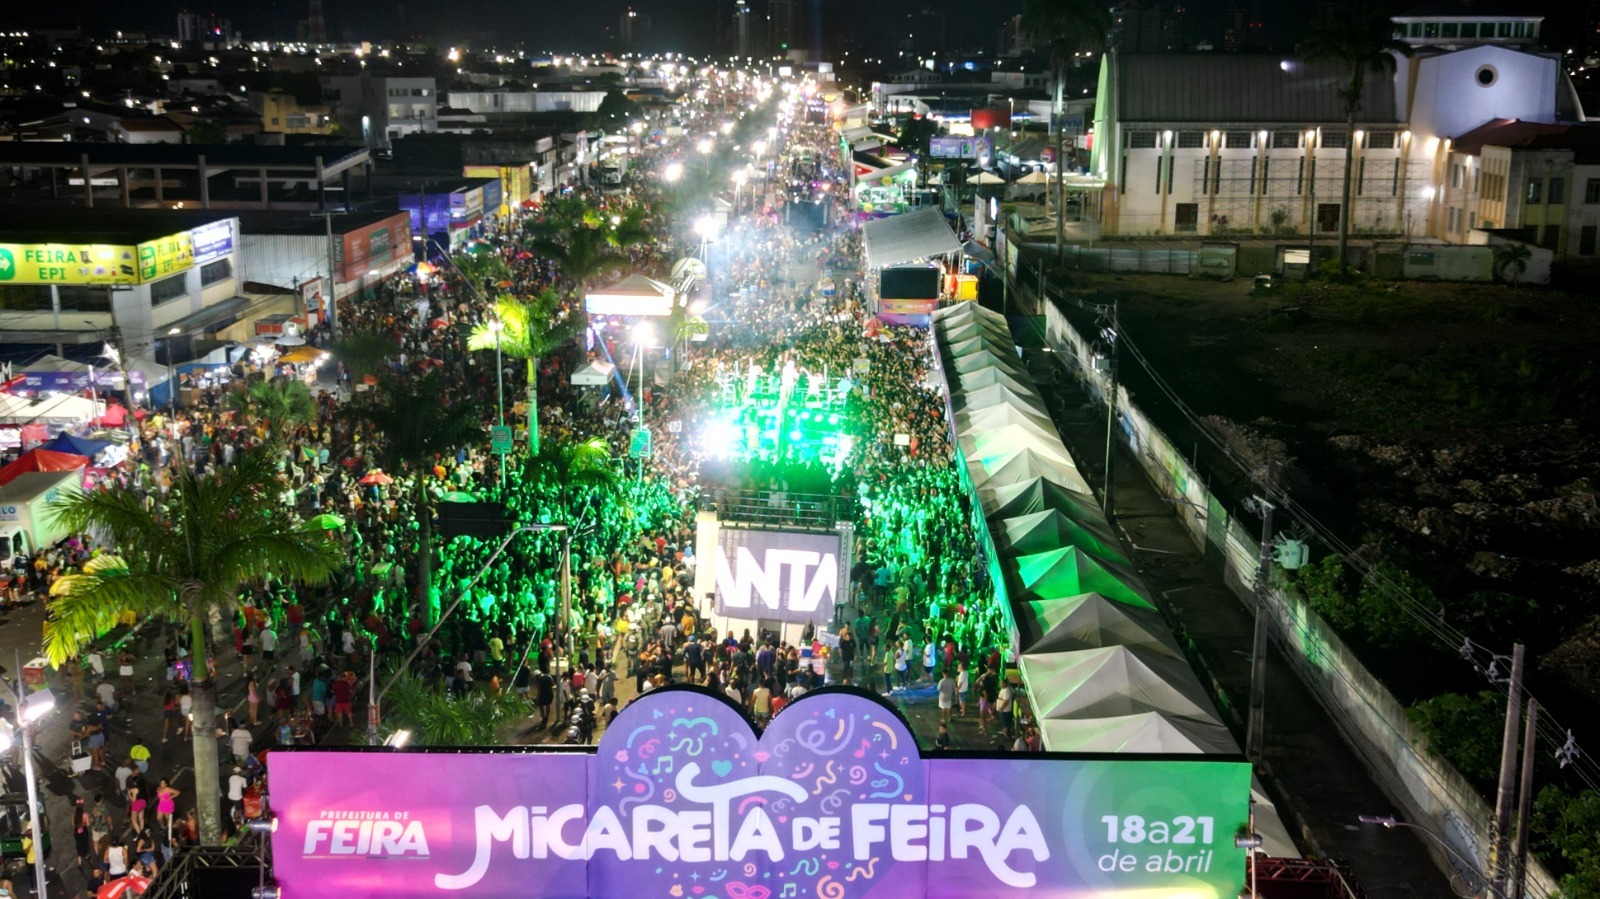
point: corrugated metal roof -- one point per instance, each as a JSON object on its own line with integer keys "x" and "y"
{"x": 1226, "y": 89}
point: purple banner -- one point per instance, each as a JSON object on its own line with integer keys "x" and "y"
{"x": 73, "y": 381}
{"x": 683, "y": 801}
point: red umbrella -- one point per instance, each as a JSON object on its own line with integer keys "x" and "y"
{"x": 130, "y": 885}
{"x": 376, "y": 477}
{"x": 438, "y": 324}
{"x": 503, "y": 285}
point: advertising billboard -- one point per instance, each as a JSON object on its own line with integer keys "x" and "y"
{"x": 212, "y": 241}
{"x": 55, "y": 263}
{"x": 371, "y": 247}
{"x": 682, "y": 799}
{"x": 775, "y": 575}
{"x": 165, "y": 256}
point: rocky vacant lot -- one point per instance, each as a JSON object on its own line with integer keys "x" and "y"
{"x": 1458, "y": 425}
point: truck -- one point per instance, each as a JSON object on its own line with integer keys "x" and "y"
{"x": 27, "y": 523}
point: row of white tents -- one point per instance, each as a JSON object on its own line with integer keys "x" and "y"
{"x": 1101, "y": 667}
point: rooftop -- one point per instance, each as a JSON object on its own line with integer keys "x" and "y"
{"x": 307, "y": 224}
{"x": 121, "y": 227}
{"x": 1228, "y": 88}
{"x": 178, "y": 156}
{"x": 1583, "y": 140}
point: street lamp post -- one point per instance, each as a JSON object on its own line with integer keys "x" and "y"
{"x": 1390, "y": 822}
{"x": 497, "y": 326}
{"x": 172, "y": 380}
{"x": 30, "y": 708}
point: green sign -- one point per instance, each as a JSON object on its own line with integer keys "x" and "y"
{"x": 500, "y": 439}
{"x": 639, "y": 444}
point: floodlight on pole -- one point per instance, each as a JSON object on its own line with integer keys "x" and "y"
{"x": 673, "y": 172}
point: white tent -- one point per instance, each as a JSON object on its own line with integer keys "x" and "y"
{"x": 966, "y": 330}
{"x": 1091, "y": 621}
{"x": 992, "y": 442}
{"x": 1033, "y": 177}
{"x": 999, "y": 395}
{"x": 983, "y": 421}
{"x": 1037, "y": 495}
{"x": 48, "y": 410}
{"x": 972, "y": 380}
{"x": 908, "y": 237}
{"x": 1023, "y": 465}
{"x": 595, "y": 374}
{"x": 1069, "y": 571}
{"x": 977, "y": 344}
{"x": 633, "y": 295}
{"x": 1113, "y": 681}
{"x": 1150, "y": 732}
{"x": 1043, "y": 531}
{"x": 987, "y": 178}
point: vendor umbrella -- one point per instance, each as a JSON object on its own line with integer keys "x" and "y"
{"x": 327, "y": 521}
{"x": 438, "y": 324}
{"x": 425, "y": 268}
{"x": 129, "y": 885}
{"x": 376, "y": 477}
{"x": 503, "y": 285}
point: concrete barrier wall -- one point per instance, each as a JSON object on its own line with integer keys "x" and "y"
{"x": 1428, "y": 789}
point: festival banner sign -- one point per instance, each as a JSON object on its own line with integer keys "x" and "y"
{"x": 683, "y": 801}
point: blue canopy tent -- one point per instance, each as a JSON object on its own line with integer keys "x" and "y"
{"x": 82, "y": 446}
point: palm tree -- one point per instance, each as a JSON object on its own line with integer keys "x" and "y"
{"x": 363, "y": 352}
{"x": 572, "y": 480}
{"x": 630, "y": 229}
{"x": 482, "y": 269}
{"x": 435, "y": 718}
{"x": 184, "y": 559}
{"x": 1513, "y": 256}
{"x": 1068, "y": 26}
{"x": 419, "y": 422}
{"x": 1363, "y": 39}
{"x": 282, "y": 403}
{"x": 529, "y": 330}
{"x": 584, "y": 254}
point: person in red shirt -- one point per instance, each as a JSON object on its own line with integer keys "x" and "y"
{"x": 343, "y": 690}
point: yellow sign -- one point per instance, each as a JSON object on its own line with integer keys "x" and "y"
{"x": 165, "y": 256}
{"x": 95, "y": 264}
{"x": 59, "y": 263}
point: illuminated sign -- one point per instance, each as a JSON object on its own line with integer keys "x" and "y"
{"x": 55, "y": 263}
{"x": 834, "y": 800}
{"x": 165, "y": 256}
{"x": 212, "y": 241}
{"x": 776, "y": 575}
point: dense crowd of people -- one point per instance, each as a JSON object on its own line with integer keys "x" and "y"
{"x": 921, "y": 613}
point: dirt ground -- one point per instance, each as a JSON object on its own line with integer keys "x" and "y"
{"x": 1459, "y": 425}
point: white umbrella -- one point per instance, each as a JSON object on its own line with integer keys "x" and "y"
{"x": 1033, "y": 177}
{"x": 988, "y": 178}
{"x": 290, "y": 340}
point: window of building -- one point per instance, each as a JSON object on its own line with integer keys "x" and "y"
{"x": 1191, "y": 140}
{"x": 1455, "y": 174}
{"x": 1241, "y": 140}
{"x": 1556, "y": 191}
{"x": 1586, "y": 238}
{"x": 297, "y": 121}
{"x": 1285, "y": 140}
{"x": 1188, "y": 218}
{"x": 1141, "y": 140}
{"x": 1450, "y": 219}
{"x": 1486, "y": 76}
{"x": 1380, "y": 140}
{"x": 1469, "y": 29}
{"x": 212, "y": 272}
{"x": 1505, "y": 29}
{"x": 36, "y": 298}
{"x": 1591, "y": 191}
{"x": 1552, "y": 238}
{"x": 168, "y": 289}
{"x": 1335, "y": 140}
{"x": 1430, "y": 29}
{"x": 1535, "y": 194}
{"x": 1449, "y": 29}
{"x": 1414, "y": 29}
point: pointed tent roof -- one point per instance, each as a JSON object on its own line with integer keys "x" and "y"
{"x": 999, "y": 395}
{"x": 983, "y": 377}
{"x": 1112, "y": 681}
{"x": 40, "y": 459}
{"x": 972, "y": 313}
{"x": 1151, "y": 732}
{"x": 966, "y": 330}
{"x": 1022, "y": 465}
{"x": 990, "y": 420}
{"x": 970, "y": 345}
{"x": 985, "y": 358}
{"x": 1037, "y": 495}
{"x": 79, "y": 446}
{"x": 982, "y": 446}
{"x": 1047, "y": 530}
{"x": 1070, "y": 571}
{"x": 1090, "y": 621}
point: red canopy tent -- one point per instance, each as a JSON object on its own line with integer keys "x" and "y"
{"x": 41, "y": 460}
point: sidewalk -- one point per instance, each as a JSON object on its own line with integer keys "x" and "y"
{"x": 1317, "y": 782}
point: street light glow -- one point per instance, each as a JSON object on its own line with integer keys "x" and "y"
{"x": 644, "y": 334}
{"x": 706, "y": 227}
{"x": 673, "y": 172}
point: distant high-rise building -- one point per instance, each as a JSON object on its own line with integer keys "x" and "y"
{"x": 1243, "y": 32}
{"x": 783, "y": 26}
{"x": 194, "y": 28}
{"x": 1147, "y": 28}
{"x": 633, "y": 27}
{"x": 743, "y": 36}
{"x": 314, "y": 30}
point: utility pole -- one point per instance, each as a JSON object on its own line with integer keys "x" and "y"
{"x": 330, "y": 296}
{"x": 1255, "y": 730}
{"x": 1519, "y": 876}
{"x": 1506, "y": 796}
{"x": 1111, "y": 335}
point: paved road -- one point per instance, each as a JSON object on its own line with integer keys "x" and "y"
{"x": 21, "y": 631}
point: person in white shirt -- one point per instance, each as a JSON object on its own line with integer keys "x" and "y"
{"x": 108, "y": 694}
{"x": 237, "y": 784}
{"x": 239, "y": 739}
{"x": 269, "y": 643}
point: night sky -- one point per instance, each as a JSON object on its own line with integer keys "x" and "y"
{"x": 689, "y": 26}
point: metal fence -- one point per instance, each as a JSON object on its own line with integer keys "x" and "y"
{"x": 776, "y": 508}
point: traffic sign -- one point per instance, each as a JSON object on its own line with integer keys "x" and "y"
{"x": 500, "y": 439}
